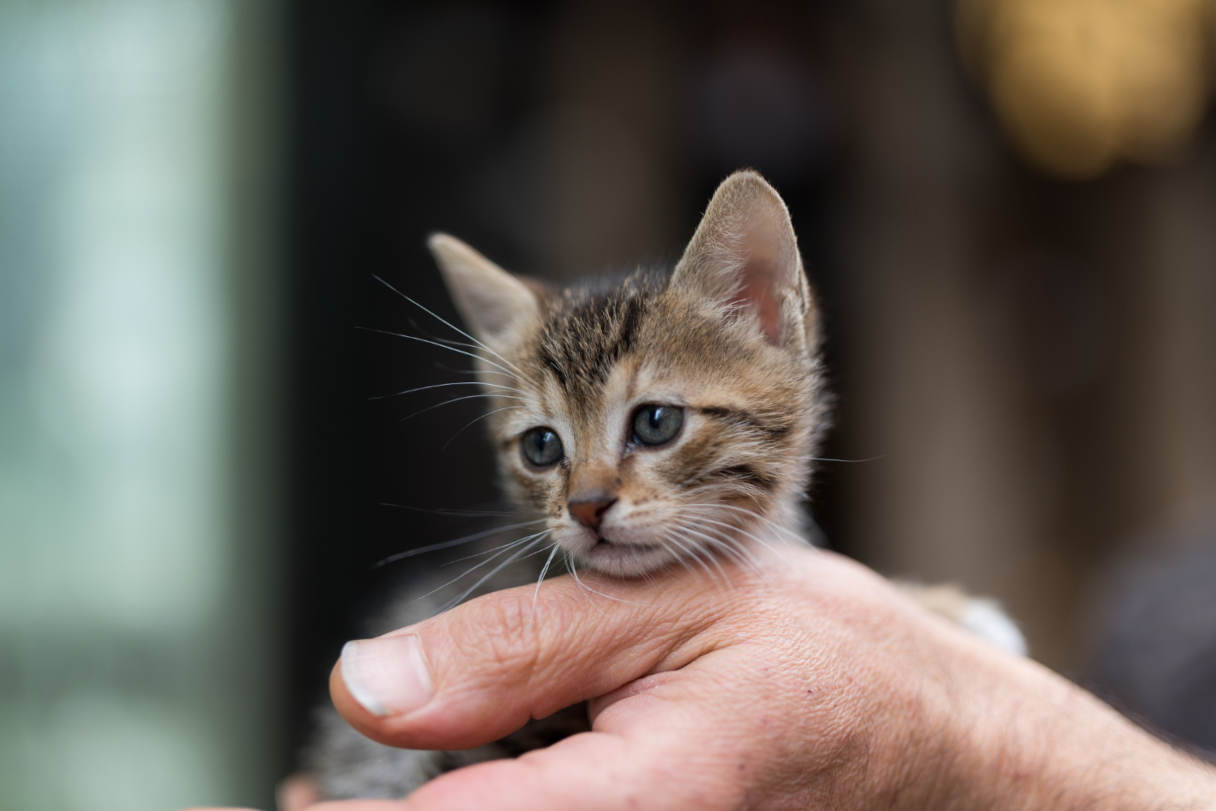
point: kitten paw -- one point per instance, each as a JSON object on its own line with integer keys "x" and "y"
{"x": 986, "y": 618}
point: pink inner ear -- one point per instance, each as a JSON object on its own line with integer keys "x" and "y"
{"x": 756, "y": 294}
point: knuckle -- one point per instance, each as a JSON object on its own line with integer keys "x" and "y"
{"x": 504, "y": 635}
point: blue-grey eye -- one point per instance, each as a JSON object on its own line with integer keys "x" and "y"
{"x": 542, "y": 446}
{"x": 657, "y": 424}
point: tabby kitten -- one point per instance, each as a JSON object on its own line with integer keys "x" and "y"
{"x": 662, "y": 420}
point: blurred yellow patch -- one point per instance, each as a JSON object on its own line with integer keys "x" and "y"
{"x": 1081, "y": 84}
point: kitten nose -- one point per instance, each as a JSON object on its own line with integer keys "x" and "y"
{"x": 589, "y": 511}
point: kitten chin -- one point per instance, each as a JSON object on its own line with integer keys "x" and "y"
{"x": 622, "y": 558}
{"x": 665, "y": 419}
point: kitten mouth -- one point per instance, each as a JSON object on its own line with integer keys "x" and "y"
{"x": 602, "y": 543}
{"x": 623, "y": 559}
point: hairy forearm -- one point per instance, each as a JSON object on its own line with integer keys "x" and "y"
{"x": 1052, "y": 745}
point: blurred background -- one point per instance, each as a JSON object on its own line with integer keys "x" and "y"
{"x": 1008, "y": 207}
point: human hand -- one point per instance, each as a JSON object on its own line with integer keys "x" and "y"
{"x": 809, "y": 683}
{"x": 815, "y": 684}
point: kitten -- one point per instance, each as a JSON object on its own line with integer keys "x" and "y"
{"x": 658, "y": 421}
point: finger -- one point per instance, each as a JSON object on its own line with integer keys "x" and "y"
{"x": 482, "y": 670}
{"x": 297, "y": 792}
{"x": 590, "y": 772}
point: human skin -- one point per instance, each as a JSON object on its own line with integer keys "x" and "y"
{"x": 808, "y": 682}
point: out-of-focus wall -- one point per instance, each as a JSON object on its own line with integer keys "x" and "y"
{"x": 1034, "y": 350}
{"x": 137, "y": 361}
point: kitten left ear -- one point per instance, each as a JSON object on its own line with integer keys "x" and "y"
{"x": 496, "y": 306}
{"x": 744, "y": 253}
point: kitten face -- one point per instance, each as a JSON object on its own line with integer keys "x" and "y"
{"x": 660, "y": 419}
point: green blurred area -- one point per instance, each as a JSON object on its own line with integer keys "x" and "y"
{"x": 134, "y": 395}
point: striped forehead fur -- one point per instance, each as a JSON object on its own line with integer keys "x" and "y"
{"x": 762, "y": 407}
{"x": 589, "y": 328}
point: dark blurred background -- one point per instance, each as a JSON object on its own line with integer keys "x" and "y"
{"x": 1007, "y": 206}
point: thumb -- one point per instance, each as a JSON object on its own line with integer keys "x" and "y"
{"x": 485, "y": 668}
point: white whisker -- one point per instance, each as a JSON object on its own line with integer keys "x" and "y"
{"x": 733, "y": 528}
{"x": 697, "y": 551}
{"x": 409, "y": 553}
{"x": 479, "y": 396}
{"x": 789, "y": 532}
{"x": 669, "y": 538}
{"x": 451, "y": 326}
{"x": 722, "y": 540}
{"x": 509, "y": 560}
{"x": 544, "y": 571}
{"x": 700, "y": 517}
{"x": 428, "y": 341}
{"x": 534, "y": 538}
{"x": 583, "y": 584}
{"x": 476, "y": 375}
{"x": 484, "y": 552}
{"x": 452, "y": 511}
{"x": 416, "y": 389}
{"x": 473, "y": 422}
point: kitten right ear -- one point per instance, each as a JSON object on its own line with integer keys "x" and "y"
{"x": 496, "y": 306}
{"x": 744, "y": 255}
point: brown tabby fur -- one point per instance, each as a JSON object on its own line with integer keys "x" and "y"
{"x": 732, "y": 337}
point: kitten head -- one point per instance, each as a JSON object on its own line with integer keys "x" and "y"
{"x": 661, "y": 418}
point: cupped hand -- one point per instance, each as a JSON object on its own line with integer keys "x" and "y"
{"x": 806, "y": 681}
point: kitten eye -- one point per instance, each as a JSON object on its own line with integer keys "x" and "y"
{"x": 657, "y": 424}
{"x": 541, "y": 446}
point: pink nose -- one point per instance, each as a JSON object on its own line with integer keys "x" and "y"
{"x": 590, "y": 511}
